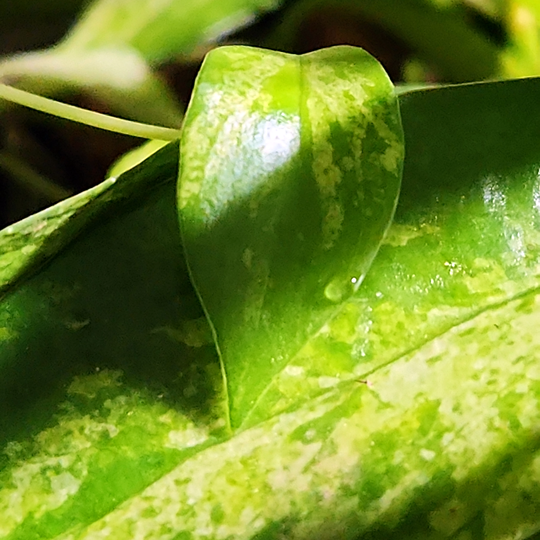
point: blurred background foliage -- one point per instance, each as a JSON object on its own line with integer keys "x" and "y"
{"x": 138, "y": 59}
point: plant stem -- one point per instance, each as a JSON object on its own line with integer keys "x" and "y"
{"x": 84, "y": 116}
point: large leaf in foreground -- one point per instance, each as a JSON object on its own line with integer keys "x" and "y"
{"x": 290, "y": 172}
{"x": 443, "y": 444}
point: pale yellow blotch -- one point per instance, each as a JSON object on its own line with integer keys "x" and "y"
{"x": 64, "y": 485}
{"x": 294, "y": 371}
{"x": 488, "y": 275}
{"x": 38, "y": 486}
{"x": 399, "y": 235}
{"x": 342, "y": 102}
{"x": 328, "y": 382}
{"x": 426, "y": 454}
{"x": 391, "y": 158}
{"x": 333, "y": 223}
{"x": 190, "y": 189}
{"x": 325, "y": 105}
{"x": 396, "y": 497}
{"x": 90, "y": 385}
{"x": 191, "y": 332}
{"x": 295, "y": 475}
{"x": 395, "y": 149}
{"x": 186, "y": 438}
{"x": 77, "y": 325}
{"x": 39, "y": 226}
{"x": 199, "y": 482}
{"x": 7, "y": 334}
{"x": 247, "y": 257}
{"x": 346, "y": 456}
{"x": 261, "y": 457}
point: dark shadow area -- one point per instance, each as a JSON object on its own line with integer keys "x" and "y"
{"x": 457, "y": 136}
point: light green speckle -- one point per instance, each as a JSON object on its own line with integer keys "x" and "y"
{"x": 190, "y": 332}
{"x": 90, "y": 385}
{"x": 392, "y": 157}
{"x": 186, "y": 438}
{"x": 399, "y": 235}
{"x": 247, "y": 257}
{"x": 328, "y": 382}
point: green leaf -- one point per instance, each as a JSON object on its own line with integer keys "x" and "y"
{"x": 289, "y": 178}
{"x": 27, "y": 245}
{"x": 160, "y": 32}
{"x": 442, "y": 444}
{"x": 108, "y": 73}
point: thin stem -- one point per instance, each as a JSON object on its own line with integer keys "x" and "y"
{"x": 84, "y": 116}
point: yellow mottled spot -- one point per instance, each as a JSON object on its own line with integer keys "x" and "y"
{"x": 247, "y": 257}
{"x": 391, "y": 158}
{"x": 399, "y": 235}
{"x": 186, "y": 438}
{"x": 90, "y": 385}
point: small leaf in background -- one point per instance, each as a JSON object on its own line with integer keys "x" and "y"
{"x": 522, "y": 57}
{"x": 289, "y": 177}
{"x": 160, "y": 32}
{"x": 108, "y": 74}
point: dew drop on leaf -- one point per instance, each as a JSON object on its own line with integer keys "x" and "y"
{"x": 337, "y": 290}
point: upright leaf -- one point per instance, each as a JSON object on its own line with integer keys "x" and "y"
{"x": 289, "y": 177}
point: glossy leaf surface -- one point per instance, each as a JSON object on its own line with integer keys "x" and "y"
{"x": 290, "y": 172}
{"x": 442, "y": 443}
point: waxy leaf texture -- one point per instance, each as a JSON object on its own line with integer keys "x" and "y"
{"x": 289, "y": 177}
{"x": 412, "y": 413}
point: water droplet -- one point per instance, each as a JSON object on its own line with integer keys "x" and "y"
{"x": 337, "y": 290}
